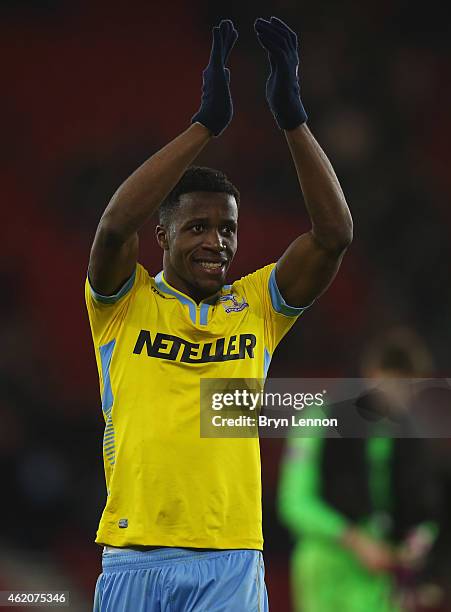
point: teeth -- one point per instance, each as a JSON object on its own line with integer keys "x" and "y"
{"x": 210, "y": 265}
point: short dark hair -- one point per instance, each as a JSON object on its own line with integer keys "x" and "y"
{"x": 401, "y": 350}
{"x": 196, "y": 178}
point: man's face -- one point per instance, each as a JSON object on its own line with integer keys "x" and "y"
{"x": 200, "y": 243}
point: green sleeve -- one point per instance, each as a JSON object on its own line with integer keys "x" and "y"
{"x": 299, "y": 503}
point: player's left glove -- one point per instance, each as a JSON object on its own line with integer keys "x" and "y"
{"x": 216, "y": 108}
{"x": 282, "y": 86}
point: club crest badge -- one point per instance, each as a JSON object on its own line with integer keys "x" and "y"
{"x": 231, "y": 304}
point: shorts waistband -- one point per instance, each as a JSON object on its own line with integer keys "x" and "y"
{"x": 133, "y": 559}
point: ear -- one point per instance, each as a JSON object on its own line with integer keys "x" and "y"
{"x": 162, "y": 237}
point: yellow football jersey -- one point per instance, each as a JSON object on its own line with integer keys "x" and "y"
{"x": 166, "y": 485}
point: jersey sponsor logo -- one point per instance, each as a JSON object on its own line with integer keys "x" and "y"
{"x": 167, "y": 346}
{"x": 231, "y": 304}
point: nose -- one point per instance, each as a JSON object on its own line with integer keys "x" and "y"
{"x": 214, "y": 240}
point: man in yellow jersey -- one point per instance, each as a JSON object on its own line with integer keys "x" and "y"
{"x": 182, "y": 522}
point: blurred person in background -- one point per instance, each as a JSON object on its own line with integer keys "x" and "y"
{"x": 198, "y": 501}
{"x": 363, "y": 512}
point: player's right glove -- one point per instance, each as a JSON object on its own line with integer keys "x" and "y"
{"x": 216, "y": 108}
{"x": 282, "y": 86}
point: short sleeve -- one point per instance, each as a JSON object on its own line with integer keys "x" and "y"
{"x": 261, "y": 287}
{"x": 107, "y": 313}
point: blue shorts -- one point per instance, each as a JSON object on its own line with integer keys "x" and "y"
{"x": 181, "y": 580}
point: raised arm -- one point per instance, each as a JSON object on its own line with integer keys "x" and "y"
{"x": 311, "y": 262}
{"x": 115, "y": 248}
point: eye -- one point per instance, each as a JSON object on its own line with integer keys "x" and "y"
{"x": 228, "y": 230}
{"x": 198, "y": 228}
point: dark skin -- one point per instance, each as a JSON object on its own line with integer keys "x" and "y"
{"x": 203, "y": 229}
{"x": 303, "y": 272}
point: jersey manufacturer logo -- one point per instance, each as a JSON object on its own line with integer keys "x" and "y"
{"x": 231, "y": 304}
{"x": 155, "y": 290}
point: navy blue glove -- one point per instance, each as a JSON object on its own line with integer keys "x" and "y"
{"x": 216, "y": 108}
{"x": 282, "y": 86}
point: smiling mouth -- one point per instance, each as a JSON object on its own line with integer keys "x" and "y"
{"x": 211, "y": 267}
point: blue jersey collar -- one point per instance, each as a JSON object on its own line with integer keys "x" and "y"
{"x": 186, "y": 300}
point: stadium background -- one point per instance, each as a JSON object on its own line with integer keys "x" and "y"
{"x": 90, "y": 89}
